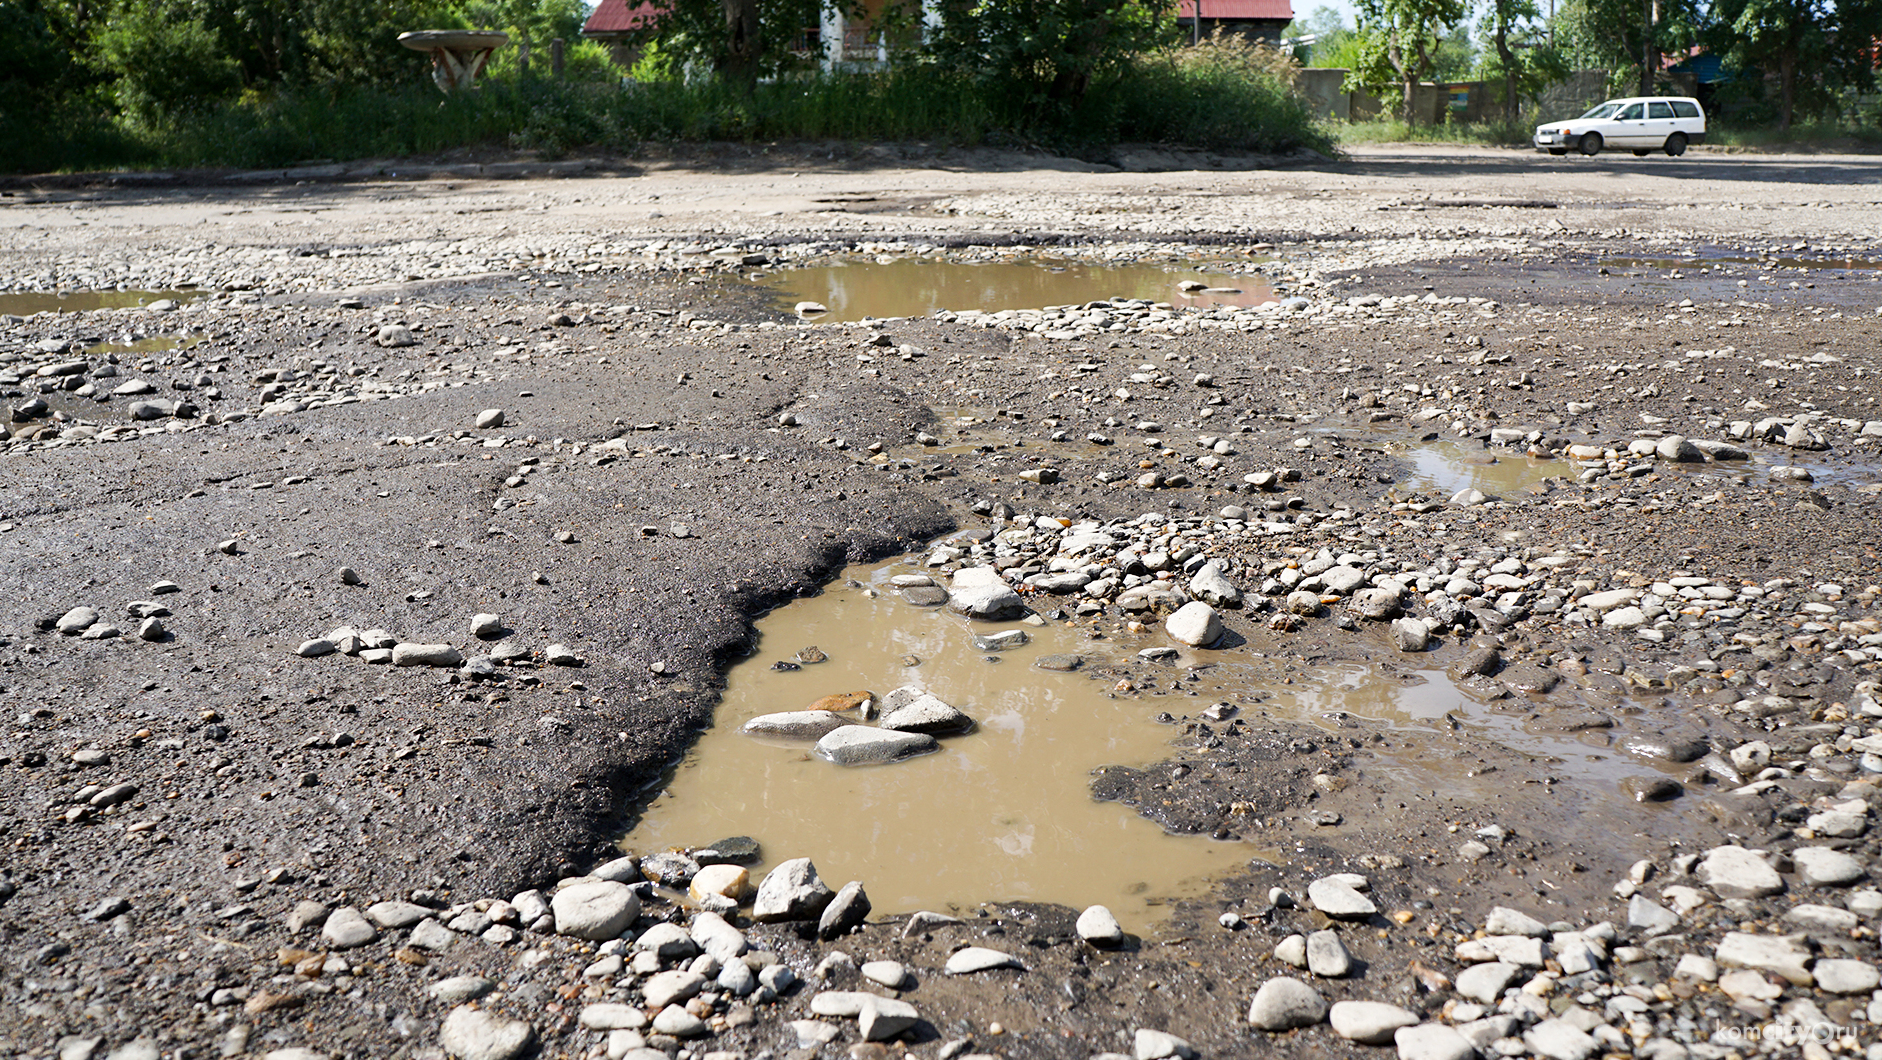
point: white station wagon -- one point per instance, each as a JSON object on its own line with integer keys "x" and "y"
{"x": 1639, "y": 123}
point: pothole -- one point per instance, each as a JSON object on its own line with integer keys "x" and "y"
{"x": 913, "y": 287}
{"x": 1006, "y": 812}
{"x": 1003, "y": 812}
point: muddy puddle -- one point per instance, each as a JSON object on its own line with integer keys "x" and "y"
{"x": 1799, "y": 264}
{"x": 1004, "y": 813}
{"x": 913, "y": 287}
{"x": 28, "y": 303}
{"x": 1444, "y": 466}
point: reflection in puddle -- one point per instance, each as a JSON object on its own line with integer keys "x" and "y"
{"x": 26, "y": 304}
{"x": 1446, "y": 467}
{"x": 1002, "y": 813}
{"x": 913, "y": 287}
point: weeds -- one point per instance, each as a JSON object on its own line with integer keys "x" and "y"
{"x": 1217, "y": 98}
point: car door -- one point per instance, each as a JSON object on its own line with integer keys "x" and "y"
{"x": 1659, "y": 124}
{"x": 1627, "y": 126}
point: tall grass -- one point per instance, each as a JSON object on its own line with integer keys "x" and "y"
{"x": 1207, "y": 103}
{"x": 1500, "y": 133}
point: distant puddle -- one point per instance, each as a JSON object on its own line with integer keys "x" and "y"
{"x": 1838, "y": 264}
{"x": 83, "y": 301}
{"x": 913, "y": 287}
{"x": 1447, "y": 467}
{"x": 1005, "y": 813}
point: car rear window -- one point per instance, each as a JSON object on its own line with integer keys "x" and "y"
{"x": 1659, "y": 110}
{"x": 1684, "y": 109}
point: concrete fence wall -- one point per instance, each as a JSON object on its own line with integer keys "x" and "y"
{"x": 1464, "y": 101}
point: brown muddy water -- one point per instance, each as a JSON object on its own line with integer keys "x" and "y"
{"x": 913, "y": 287}
{"x": 27, "y": 303}
{"x": 1004, "y": 813}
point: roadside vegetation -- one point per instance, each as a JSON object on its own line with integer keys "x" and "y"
{"x": 1771, "y": 73}
{"x": 211, "y": 83}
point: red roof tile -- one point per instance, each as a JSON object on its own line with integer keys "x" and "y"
{"x": 1237, "y": 9}
{"x": 620, "y": 16}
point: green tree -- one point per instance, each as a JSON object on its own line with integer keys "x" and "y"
{"x": 1810, "y": 47}
{"x": 1519, "y": 53}
{"x": 1048, "y": 52}
{"x": 1400, "y": 41}
{"x": 164, "y": 64}
{"x": 740, "y": 41}
{"x": 1617, "y": 36}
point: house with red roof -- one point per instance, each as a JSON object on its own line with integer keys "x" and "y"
{"x": 846, "y": 42}
{"x": 1255, "y": 19}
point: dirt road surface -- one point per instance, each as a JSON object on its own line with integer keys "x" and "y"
{"x": 273, "y": 788}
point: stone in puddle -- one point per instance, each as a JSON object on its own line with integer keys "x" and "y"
{"x": 794, "y": 725}
{"x": 1411, "y": 634}
{"x": 1195, "y": 624}
{"x": 727, "y": 881}
{"x": 473, "y": 1034}
{"x": 925, "y": 713}
{"x": 1097, "y": 926}
{"x": 925, "y": 596}
{"x": 856, "y": 745}
{"x": 791, "y": 891}
{"x": 1369, "y": 1022}
{"x": 1283, "y": 1004}
{"x": 1005, "y": 640}
{"x": 980, "y": 592}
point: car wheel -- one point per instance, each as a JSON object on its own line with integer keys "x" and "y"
{"x": 1591, "y": 144}
{"x": 1676, "y": 145}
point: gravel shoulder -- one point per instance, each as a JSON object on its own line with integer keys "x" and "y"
{"x": 295, "y": 456}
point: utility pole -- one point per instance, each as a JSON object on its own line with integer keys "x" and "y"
{"x": 1646, "y": 48}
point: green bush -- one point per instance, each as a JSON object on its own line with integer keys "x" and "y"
{"x": 1223, "y": 96}
{"x": 166, "y": 65}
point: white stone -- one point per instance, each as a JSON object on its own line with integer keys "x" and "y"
{"x": 597, "y": 911}
{"x": 473, "y": 1034}
{"x": 1369, "y": 1022}
{"x": 1195, "y": 624}
{"x": 1432, "y": 1041}
{"x": 979, "y": 959}
{"x": 1283, "y": 1004}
